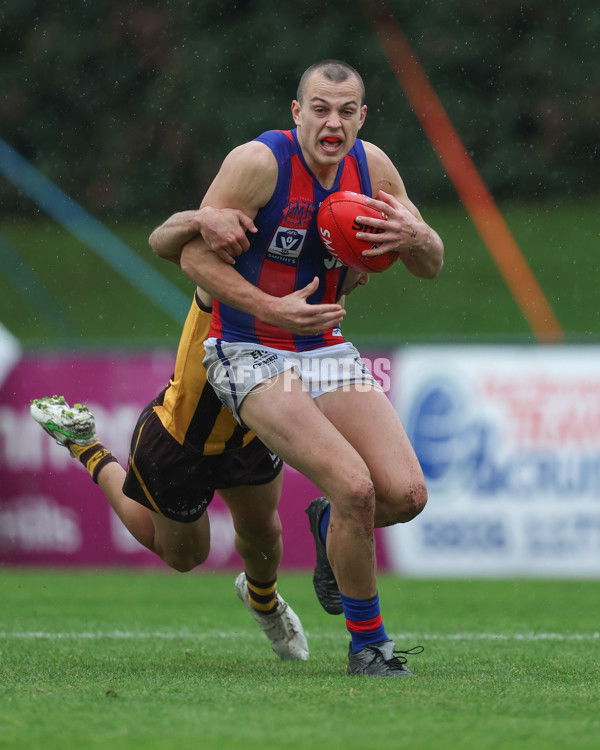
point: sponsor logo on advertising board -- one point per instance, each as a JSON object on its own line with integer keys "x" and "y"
{"x": 509, "y": 442}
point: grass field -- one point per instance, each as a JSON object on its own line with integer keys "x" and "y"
{"x": 86, "y": 304}
{"x": 160, "y": 660}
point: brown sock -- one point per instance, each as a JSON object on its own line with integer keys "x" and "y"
{"x": 94, "y": 457}
{"x": 263, "y": 596}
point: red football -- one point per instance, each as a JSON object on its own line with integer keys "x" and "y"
{"x": 338, "y": 227}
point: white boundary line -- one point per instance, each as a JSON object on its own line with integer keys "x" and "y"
{"x": 206, "y": 635}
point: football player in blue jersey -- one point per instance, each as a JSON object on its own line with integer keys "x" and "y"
{"x": 309, "y": 398}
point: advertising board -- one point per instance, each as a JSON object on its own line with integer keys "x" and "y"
{"x": 509, "y": 440}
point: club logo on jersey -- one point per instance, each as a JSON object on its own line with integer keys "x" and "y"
{"x": 286, "y": 245}
{"x": 299, "y": 213}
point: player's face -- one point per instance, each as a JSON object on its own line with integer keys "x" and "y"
{"x": 328, "y": 121}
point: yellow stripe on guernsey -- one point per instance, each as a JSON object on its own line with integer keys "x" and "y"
{"x": 262, "y": 599}
{"x": 187, "y": 385}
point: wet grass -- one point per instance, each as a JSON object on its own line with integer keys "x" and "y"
{"x": 164, "y": 660}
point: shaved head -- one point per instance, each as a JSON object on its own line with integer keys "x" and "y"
{"x": 335, "y": 71}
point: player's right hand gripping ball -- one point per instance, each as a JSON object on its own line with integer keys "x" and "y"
{"x": 338, "y": 227}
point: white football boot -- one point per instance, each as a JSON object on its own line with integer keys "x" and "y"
{"x": 66, "y": 424}
{"x": 283, "y": 627}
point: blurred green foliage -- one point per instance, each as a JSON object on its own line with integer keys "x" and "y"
{"x": 131, "y": 106}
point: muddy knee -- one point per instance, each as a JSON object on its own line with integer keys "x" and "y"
{"x": 402, "y": 506}
{"x": 357, "y": 503}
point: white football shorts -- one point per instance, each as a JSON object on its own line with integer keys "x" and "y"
{"x": 235, "y": 369}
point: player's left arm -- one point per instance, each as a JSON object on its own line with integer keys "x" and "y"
{"x": 223, "y": 229}
{"x": 405, "y": 231}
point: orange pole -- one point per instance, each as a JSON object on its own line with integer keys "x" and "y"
{"x": 463, "y": 174}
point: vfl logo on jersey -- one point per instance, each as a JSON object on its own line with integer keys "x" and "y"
{"x": 286, "y": 245}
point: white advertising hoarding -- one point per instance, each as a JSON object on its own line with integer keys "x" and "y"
{"x": 509, "y": 441}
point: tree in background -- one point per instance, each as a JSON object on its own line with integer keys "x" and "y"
{"x": 130, "y": 106}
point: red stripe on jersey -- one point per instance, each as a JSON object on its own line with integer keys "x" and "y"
{"x": 216, "y": 326}
{"x": 350, "y": 178}
{"x": 280, "y": 279}
{"x": 275, "y": 279}
{"x": 364, "y": 625}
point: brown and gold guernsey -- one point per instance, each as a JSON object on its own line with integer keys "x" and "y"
{"x": 188, "y": 408}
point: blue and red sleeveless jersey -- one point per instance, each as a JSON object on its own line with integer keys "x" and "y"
{"x": 286, "y": 252}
